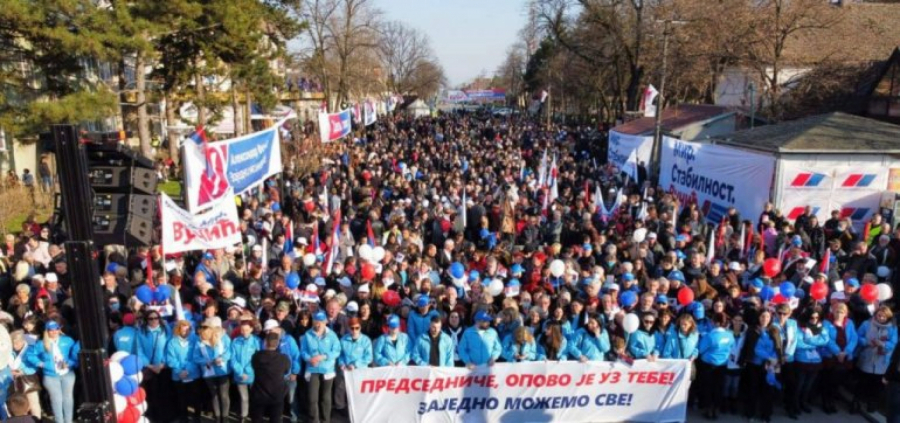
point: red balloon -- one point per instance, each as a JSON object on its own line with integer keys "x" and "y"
{"x": 685, "y": 296}
{"x": 390, "y": 298}
{"x": 137, "y": 397}
{"x": 367, "y": 175}
{"x": 778, "y": 299}
{"x": 368, "y": 271}
{"x": 130, "y": 415}
{"x": 772, "y": 267}
{"x": 868, "y": 292}
{"x": 819, "y": 291}
{"x": 309, "y": 206}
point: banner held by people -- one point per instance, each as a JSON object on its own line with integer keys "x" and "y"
{"x": 534, "y": 391}
{"x": 218, "y": 227}
{"x": 239, "y": 164}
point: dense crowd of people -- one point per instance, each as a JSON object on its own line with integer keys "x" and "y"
{"x": 468, "y": 240}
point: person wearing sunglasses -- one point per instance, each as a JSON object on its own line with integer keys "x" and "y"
{"x": 642, "y": 343}
{"x": 356, "y": 353}
{"x": 151, "y": 350}
{"x": 57, "y": 357}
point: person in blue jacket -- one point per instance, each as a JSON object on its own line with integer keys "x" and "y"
{"x": 714, "y": 349}
{"x": 812, "y": 338}
{"x": 557, "y": 316}
{"x": 480, "y": 344}
{"x": 789, "y": 336}
{"x": 665, "y": 331}
{"x": 22, "y": 369}
{"x": 417, "y": 323}
{"x": 434, "y": 348}
{"x": 125, "y": 338}
{"x": 356, "y": 353}
{"x": 591, "y": 343}
{"x": 877, "y": 340}
{"x": 211, "y": 354}
{"x": 552, "y": 344}
{"x": 57, "y": 357}
{"x": 519, "y": 346}
{"x": 152, "y": 337}
{"x": 185, "y": 373}
{"x": 642, "y": 343}
{"x": 838, "y": 355}
{"x": 392, "y": 348}
{"x": 761, "y": 354}
{"x": 320, "y": 349}
{"x": 242, "y": 349}
{"x": 683, "y": 342}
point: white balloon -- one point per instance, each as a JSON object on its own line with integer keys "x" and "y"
{"x": 377, "y": 254}
{"x": 365, "y": 252}
{"x": 460, "y": 282}
{"x": 142, "y": 407}
{"x": 630, "y": 323}
{"x": 118, "y": 356}
{"x": 139, "y": 377}
{"x": 120, "y": 402}
{"x": 309, "y": 259}
{"x": 557, "y": 268}
{"x": 115, "y": 371}
{"x": 143, "y": 420}
{"x": 496, "y": 287}
{"x": 639, "y": 235}
{"x": 884, "y": 292}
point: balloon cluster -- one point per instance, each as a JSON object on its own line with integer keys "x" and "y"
{"x": 129, "y": 399}
{"x": 148, "y": 295}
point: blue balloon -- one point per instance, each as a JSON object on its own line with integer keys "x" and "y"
{"x": 787, "y": 289}
{"x": 144, "y": 294}
{"x": 628, "y": 299}
{"x": 159, "y": 295}
{"x": 112, "y": 267}
{"x": 126, "y": 386}
{"x": 131, "y": 365}
{"x": 168, "y": 291}
{"x": 767, "y": 293}
{"x": 293, "y": 280}
{"x": 799, "y": 294}
{"x": 457, "y": 270}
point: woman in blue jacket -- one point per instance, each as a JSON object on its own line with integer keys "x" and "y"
{"x": 242, "y": 349}
{"x": 683, "y": 341}
{"x": 185, "y": 374}
{"x": 877, "y": 340}
{"x": 714, "y": 349}
{"x": 57, "y": 357}
{"x": 212, "y": 354}
{"x": 591, "y": 342}
{"x": 356, "y": 348}
{"x": 552, "y": 344}
{"x": 811, "y": 340}
{"x": 642, "y": 343}
{"x": 761, "y": 354}
{"x": 519, "y": 346}
{"x": 320, "y": 349}
{"x": 392, "y": 348}
{"x": 152, "y": 337}
{"x": 665, "y": 331}
{"x": 838, "y": 355}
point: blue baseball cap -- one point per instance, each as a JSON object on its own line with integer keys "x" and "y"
{"x": 853, "y": 282}
{"x": 208, "y": 256}
{"x": 797, "y": 241}
{"x": 319, "y": 281}
{"x": 681, "y": 238}
{"x": 482, "y": 316}
{"x": 676, "y": 275}
{"x": 513, "y": 282}
{"x": 517, "y": 268}
{"x": 628, "y": 277}
{"x": 757, "y": 283}
{"x": 52, "y": 325}
{"x": 319, "y": 316}
{"x": 423, "y": 301}
{"x": 474, "y": 275}
{"x": 662, "y": 299}
{"x": 393, "y": 321}
{"x": 112, "y": 267}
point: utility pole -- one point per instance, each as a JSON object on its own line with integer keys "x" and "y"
{"x": 661, "y": 98}
{"x": 77, "y": 199}
{"x": 751, "y": 89}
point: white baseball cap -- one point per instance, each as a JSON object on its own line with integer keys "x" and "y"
{"x": 269, "y": 325}
{"x": 352, "y": 307}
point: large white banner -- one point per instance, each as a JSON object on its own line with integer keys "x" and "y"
{"x": 522, "y": 392}
{"x": 622, "y": 145}
{"x": 211, "y": 168}
{"x": 218, "y": 227}
{"x": 825, "y": 185}
{"x": 716, "y": 177}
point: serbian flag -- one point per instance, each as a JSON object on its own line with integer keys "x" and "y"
{"x": 289, "y": 238}
{"x": 825, "y": 265}
{"x": 317, "y": 249}
{"x": 335, "y": 242}
{"x": 370, "y": 234}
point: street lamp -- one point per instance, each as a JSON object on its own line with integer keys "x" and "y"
{"x": 661, "y": 97}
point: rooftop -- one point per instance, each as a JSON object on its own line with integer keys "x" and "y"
{"x": 673, "y": 119}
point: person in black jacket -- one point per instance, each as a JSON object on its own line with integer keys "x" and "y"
{"x": 892, "y": 380}
{"x": 268, "y": 390}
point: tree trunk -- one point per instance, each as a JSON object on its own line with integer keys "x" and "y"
{"x": 170, "y": 120}
{"x": 237, "y": 114}
{"x": 201, "y": 100}
{"x": 140, "y": 80}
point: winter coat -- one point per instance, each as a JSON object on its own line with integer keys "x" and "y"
{"x": 479, "y": 347}
{"x": 328, "y": 345}
{"x": 594, "y": 348}
{"x": 389, "y": 352}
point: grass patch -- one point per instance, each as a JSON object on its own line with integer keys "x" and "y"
{"x": 171, "y": 188}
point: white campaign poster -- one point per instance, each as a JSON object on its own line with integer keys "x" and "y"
{"x": 621, "y": 146}
{"x": 716, "y": 177}
{"x": 854, "y": 189}
{"x": 217, "y": 227}
{"x": 555, "y": 391}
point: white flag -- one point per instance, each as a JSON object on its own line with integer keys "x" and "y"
{"x": 650, "y": 95}
{"x": 711, "y": 248}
